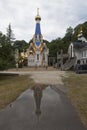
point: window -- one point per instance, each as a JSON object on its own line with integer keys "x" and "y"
{"x": 37, "y": 56}
{"x": 84, "y": 54}
{"x": 78, "y": 61}
{"x": 71, "y": 51}
{"x": 44, "y": 57}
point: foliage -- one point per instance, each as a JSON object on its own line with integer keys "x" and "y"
{"x": 54, "y": 46}
{"x": 6, "y": 53}
{"x": 60, "y": 43}
{"x": 10, "y": 35}
{"x": 21, "y": 45}
{"x": 69, "y": 33}
{"x": 63, "y": 43}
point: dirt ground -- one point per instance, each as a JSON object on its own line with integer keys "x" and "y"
{"x": 51, "y": 76}
{"x": 48, "y": 77}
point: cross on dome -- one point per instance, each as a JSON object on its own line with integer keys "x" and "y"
{"x": 37, "y": 16}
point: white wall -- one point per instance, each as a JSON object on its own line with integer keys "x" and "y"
{"x": 71, "y": 54}
{"x": 31, "y": 60}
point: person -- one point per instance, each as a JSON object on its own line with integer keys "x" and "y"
{"x": 17, "y": 65}
{"x": 46, "y": 66}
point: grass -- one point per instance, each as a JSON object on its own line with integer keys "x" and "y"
{"x": 76, "y": 85}
{"x": 12, "y": 86}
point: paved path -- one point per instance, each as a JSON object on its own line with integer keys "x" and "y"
{"x": 54, "y": 112}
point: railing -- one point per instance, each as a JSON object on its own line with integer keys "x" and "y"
{"x": 69, "y": 64}
{"x": 64, "y": 56}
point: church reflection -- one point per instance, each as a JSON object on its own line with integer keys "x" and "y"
{"x": 38, "y": 96}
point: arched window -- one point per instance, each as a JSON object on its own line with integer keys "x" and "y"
{"x": 71, "y": 51}
{"x": 43, "y": 56}
{"x": 37, "y": 56}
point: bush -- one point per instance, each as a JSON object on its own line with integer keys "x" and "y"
{"x": 3, "y": 65}
{"x": 6, "y": 64}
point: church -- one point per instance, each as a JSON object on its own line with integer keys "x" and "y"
{"x": 37, "y": 53}
{"x": 78, "y": 50}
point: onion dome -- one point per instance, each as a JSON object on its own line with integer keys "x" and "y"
{"x": 80, "y": 33}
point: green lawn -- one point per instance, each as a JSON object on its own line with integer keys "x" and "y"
{"x": 12, "y": 86}
{"x": 76, "y": 85}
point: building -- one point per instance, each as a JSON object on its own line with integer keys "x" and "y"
{"x": 37, "y": 51}
{"x": 78, "y": 50}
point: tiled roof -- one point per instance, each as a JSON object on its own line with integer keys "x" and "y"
{"x": 79, "y": 44}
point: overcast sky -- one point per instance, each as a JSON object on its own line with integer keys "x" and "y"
{"x": 56, "y": 17}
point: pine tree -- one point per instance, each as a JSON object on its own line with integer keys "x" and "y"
{"x": 10, "y": 35}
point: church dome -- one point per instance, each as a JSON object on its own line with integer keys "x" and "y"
{"x": 37, "y": 17}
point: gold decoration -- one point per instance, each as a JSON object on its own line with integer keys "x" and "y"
{"x": 80, "y": 33}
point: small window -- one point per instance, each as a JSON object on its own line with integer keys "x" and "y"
{"x": 44, "y": 57}
{"x": 78, "y": 62}
{"x": 37, "y": 56}
{"x": 82, "y": 54}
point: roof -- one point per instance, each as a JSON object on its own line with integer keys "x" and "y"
{"x": 79, "y": 44}
{"x": 37, "y": 30}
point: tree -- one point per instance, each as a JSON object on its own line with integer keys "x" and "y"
{"x": 55, "y": 46}
{"x": 10, "y": 35}
{"x": 7, "y": 59}
{"x": 21, "y": 45}
{"x": 69, "y": 33}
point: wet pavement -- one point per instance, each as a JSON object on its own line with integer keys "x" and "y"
{"x": 37, "y": 109}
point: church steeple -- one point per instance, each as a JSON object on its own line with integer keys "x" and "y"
{"x": 38, "y": 35}
{"x": 37, "y": 53}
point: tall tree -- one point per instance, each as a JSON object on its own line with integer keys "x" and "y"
{"x": 69, "y": 33}
{"x": 7, "y": 59}
{"x": 10, "y": 35}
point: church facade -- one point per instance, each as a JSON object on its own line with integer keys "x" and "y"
{"x": 37, "y": 52}
{"x": 78, "y": 50}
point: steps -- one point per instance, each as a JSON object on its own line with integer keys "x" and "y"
{"x": 69, "y": 63}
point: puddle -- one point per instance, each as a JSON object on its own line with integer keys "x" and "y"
{"x": 40, "y": 109}
{"x": 39, "y": 101}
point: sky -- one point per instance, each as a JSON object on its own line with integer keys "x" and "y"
{"x": 56, "y": 17}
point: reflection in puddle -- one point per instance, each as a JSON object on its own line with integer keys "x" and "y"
{"x": 38, "y": 96}
{"x": 52, "y": 111}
